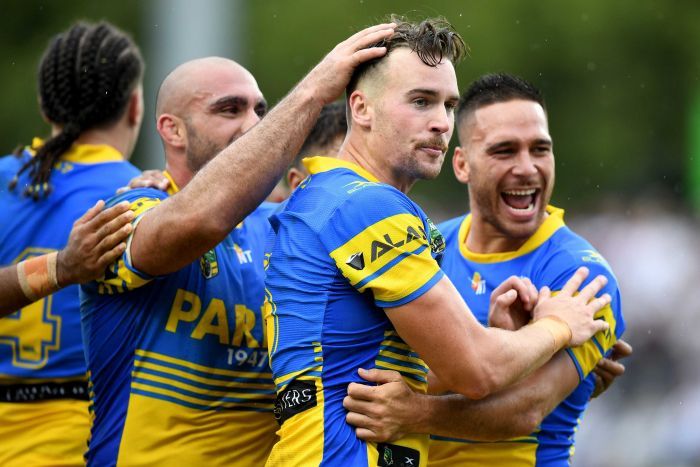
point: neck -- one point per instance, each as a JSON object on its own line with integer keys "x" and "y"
{"x": 485, "y": 238}
{"x": 176, "y": 166}
{"x": 358, "y": 152}
{"x": 116, "y": 136}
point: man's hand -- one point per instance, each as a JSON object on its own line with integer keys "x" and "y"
{"x": 512, "y": 303}
{"x": 148, "y": 179}
{"x": 329, "y": 78}
{"x": 576, "y": 310}
{"x": 95, "y": 242}
{"x": 382, "y": 413}
{"x": 609, "y": 368}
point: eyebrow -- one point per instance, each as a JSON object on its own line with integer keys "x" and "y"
{"x": 235, "y": 101}
{"x": 431, "y": 92}
{"x": 508, "y": 143}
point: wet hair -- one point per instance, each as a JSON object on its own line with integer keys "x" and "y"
{"x": 86, "y": 77}
{"x": 433, "y": 40}
{"x": 494, "y": 88}
{"x": 331, "y": 124}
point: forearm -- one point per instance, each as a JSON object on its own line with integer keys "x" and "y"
{"x": 516, "y": 411}
{"x": 470, "y": 359}
{"x": 229, "y": 187}
{"x": 26, "y": 282}
{"x": 11, "y": 296}
{"x": 507, "y": 357}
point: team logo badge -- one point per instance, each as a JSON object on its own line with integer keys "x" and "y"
{"x": 478, "y": 284}
{"x": 397, "y": 456}
{"x": 435, "y": 238}
{"x": 208, "y": 264}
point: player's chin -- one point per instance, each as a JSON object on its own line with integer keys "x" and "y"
{"x": 431, "y": 169}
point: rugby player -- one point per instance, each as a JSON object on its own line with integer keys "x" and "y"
{"x": 352, "y": 280}
{"x": 174, "y": 337}
{"x": 506, "y": 158}
{"x": 90, "y": 93}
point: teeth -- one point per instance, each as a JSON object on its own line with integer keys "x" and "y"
{"x": 531, "y": 191}
{"x": 530, "y": 207}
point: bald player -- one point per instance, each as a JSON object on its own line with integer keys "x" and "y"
{"x": 173, "y": 334}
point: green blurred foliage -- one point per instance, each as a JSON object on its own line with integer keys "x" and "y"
{"x": 618, "y": 77}
{"x": 26, "y": 28}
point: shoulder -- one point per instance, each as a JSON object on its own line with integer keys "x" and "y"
{"x": 375, "y": 201}
{"x": 133, "y": 196}
{"x": 11, "y": 163}
{"x": 568, "y": 251}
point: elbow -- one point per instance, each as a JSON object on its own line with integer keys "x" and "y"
{"x": 473, "y": 385}
{"x": 527, "y": 421}
{"x": 480, "y": 381}
{"x": 209, "y": 230}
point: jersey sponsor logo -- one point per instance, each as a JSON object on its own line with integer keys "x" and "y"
{"x": 297, "y": 397}
{"x": 592, "y": 256}
{"x": 392, "y": 455}
{"x": 187, "y": 311}
{"x": 358, "y": 185}
{"x": 208, "y": 264}
{"x": 49, "y": 390}
{"x": 244, "y": 256}
{"x": 380, "y": 248}
{"x": 356, "y": 261}
{"x": 478, "y": 284}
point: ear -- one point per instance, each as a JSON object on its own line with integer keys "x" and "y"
{"x": 361, "y": 111}
{"x": 135, "y": 107}
{"x": 172, "y": 130}
{"x": 295, "y": 177}
{"x": 460, "y": 165}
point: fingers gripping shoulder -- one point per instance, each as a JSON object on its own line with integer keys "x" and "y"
{"x": 121, "y": 276}
{"x": 586, "y": 356}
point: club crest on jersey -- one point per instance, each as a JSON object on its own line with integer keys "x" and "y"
{"x": 393, "y": 455}
{"x": 435, "y": 238}
{"x": 208, "y": 264}
{"x": 478, "y": 284}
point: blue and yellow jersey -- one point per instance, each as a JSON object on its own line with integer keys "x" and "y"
{"x": 346, "y": 247}
{"x": 43, "y": 402}
{"x": 178, "y": 364}
{"x": 549, "y": 257}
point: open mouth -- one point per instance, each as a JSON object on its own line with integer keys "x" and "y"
{"x": 521, "y": 201}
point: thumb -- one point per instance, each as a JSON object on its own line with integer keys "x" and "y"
{"x": 379, "y": 376}
{"x": 545, "y": 293}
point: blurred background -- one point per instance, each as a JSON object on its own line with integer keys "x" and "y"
{"x": 622, "y": 84}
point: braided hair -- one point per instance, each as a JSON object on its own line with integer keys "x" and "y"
{"x": 86, "y": 77}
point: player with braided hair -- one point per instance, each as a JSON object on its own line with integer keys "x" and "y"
{"x": 89, "y": 85}
{"x": 86, "y": 79}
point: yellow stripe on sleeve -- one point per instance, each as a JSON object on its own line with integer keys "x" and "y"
{"x": 589, "y": 354}
{"x": 391, "y": 257}
{"x": 123, "y": 278}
